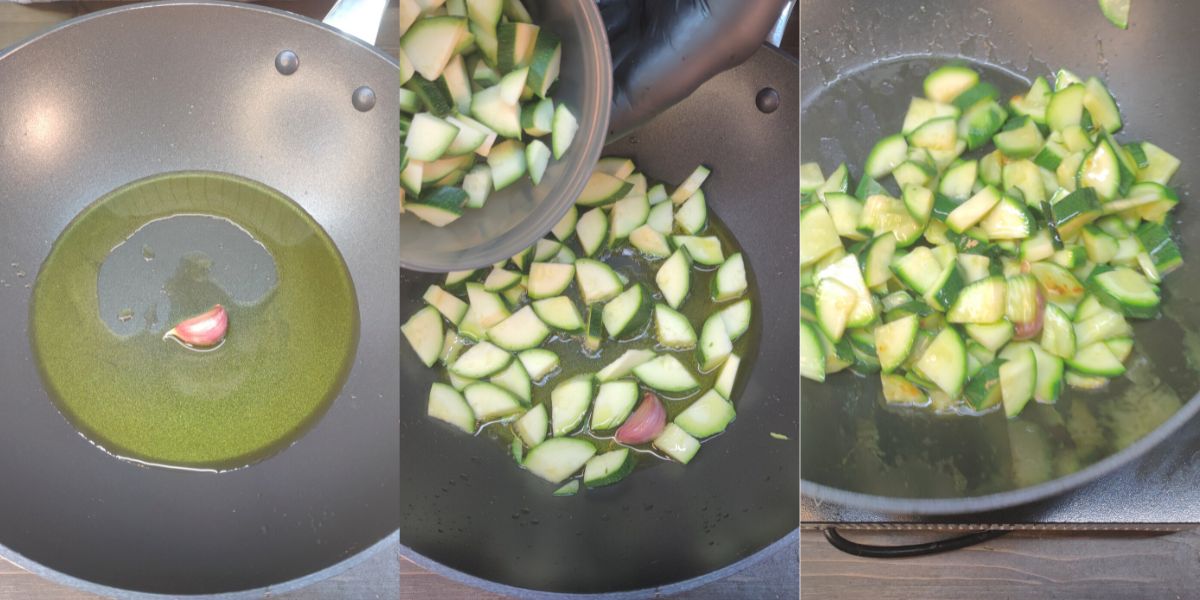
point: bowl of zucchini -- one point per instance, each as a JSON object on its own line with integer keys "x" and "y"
{"x": 504, "y": 109}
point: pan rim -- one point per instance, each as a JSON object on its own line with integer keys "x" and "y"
{"x": 391, "y": 539}
{"x": 228, "y": 4}
{"x": 667, "y": 589}
{"x": 973, "y": 505}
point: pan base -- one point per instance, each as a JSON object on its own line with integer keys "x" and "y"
{"x": 162, "y": 249}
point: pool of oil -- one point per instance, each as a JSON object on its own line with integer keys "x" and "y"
{"x": 854, "y": 440}
{"x": 162, "y": 249}
{"x": 575, "y": 359}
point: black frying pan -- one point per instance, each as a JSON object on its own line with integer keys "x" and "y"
{"x": 124, "y": 94}
{"x": 468, "y": 512}
{"x": 860, "y": 62}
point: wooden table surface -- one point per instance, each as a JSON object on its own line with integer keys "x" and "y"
{"x": 1020, "y": 565}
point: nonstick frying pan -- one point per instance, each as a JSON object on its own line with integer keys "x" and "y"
{"x": 468, "y": 512}
{"x": 123, "y": 94}
{"x": 860, "y": 63}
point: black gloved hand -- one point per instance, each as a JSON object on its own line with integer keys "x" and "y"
{"x": 662, "y": 50}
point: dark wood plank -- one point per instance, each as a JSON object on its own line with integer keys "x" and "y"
{"x": 1020, "y": 565}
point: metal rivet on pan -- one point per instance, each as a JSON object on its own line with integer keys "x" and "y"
{"x": 767, "y": 100}
{"x": 287, "y": 62}
{"x": 364, "y": 98}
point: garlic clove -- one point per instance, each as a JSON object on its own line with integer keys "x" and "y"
{"x": 204, "y": 330}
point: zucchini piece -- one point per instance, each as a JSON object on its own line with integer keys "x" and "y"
{"x": 894, "y": 342}
{"x": 921, "y": 111}
{"x": 898, "y": 390}
{"x": 569, "y": 403}
{"x": 975, "y": 94}
{"x": 672, "y": 329}
{"x": 847, "y": 272}
{"x": 918, "y": 201}
{"x": 674, "y": 277}
{"x": 592, "y": 231}
{"x": 703, "y": 250}
{"x": 614, "y": 401}
{"x": 918, "y": 269}
{"x": 547, "y": 280}
{"x": 1116, "y": 11}
{"x": 1020, "y": 138}
{"x": 676, "y": 443}
{"x": 1161, "y": 165}
{"x": 449, "y": 305}
{"x": 1077, "y": 209}
{"x": 714, "y": 345}
{"x": 666, "y": 374}
{"x": 971, "y": 212}
{"x": 1100, "y": 104}
{"x": 1157, "y": 243}
{"x": 499, "y": 280}
{"x": 1008, "y": 220}
{"x": 878, "y": 260}
{"x": 425, "y": 334}
{"x": 538, "y": 362}
{"x": 1065, "y": 107}
{"x": 1125, "y": 291}
{"x": 940, "y": 133}
{"x": 559, "y": 312}
{"x": 627, "y": 314}
{"x": 430, "y": 43}
{"x": 727, "y": 377}
{"x": 1033, "y": 103}
{"x": 980, "y": 302}
{"x": 1018, "y": 379}
{"x": 992, "y": 336}
{"x": 1058, "y": 334}
{"x": 627, "y": 214}
{"x": 690, "y": 185}
{"x": 446, "y": 404}
{"x": 945, "y": 83}
{"x": 514, "y": 379}
{"x": 1100, "y": 246}
{"x": 946, "y": 288}
{"x": 521, "y": 331}
{"x": 1101, "y": 171}
{"x": 491, "y": 402}
{"x": 597, "y": 281}
{"x": 661, "y": 217}
{"x": 958, "y": 181}
{"x": 887, "y": 154}
{"x": 608, "y": 468}
{"x": 650, "y": 242}
{"x": 1025, "y": 176}
{"x": 532, "y": 426}
{"x": 593, "y": 333}
{"x": 811, "y": 178}
{"x": 624, "y": 365}
{"x": 566, "y": 225}
{"x": 692, "y": 215}
{"x": 812, "y": 353}
{"x": 980, "y": 122}
{"x": 1050, "y": 370}
{"x": 730, "y": 280}
{"x": 559, "y": 458}
{"x": 481, "y": 360}
{"x": 565, "y": 127}
{"x": 603, "y": 189}
{"x": 709, "y": 415}
{"x": 736, "y": 317}
{"x": 944, "y": 362}
{"x": 1096, "y": 359}
{"x": 1101, "y": 326}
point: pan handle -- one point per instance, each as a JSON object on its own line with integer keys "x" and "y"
{"x": 836, "y": 540}
{"x": 359, "y": 18}
{"x": 775, "y": 37}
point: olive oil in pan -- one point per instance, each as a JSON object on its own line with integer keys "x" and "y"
{"x": 574, "y": 359}
{"x": 158, "y": 251}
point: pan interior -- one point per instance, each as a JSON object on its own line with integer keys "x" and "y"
{"x": 162, "y": 249}
{"x": 852, "y": 440}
